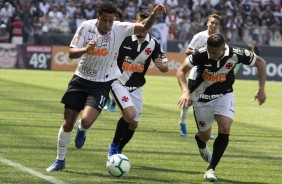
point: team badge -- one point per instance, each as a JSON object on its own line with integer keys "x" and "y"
{"x": 228, "y": 65}
{"x": 148, "y": 51}
{"x": 124, "y": 99}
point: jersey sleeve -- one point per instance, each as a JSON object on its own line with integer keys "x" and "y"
{"x": 78, "y": 38}
{"x": 125, "y": 28}
{"x": 193, "y": 59}
{"x": 192, "y": 44}
{"x": 159, "y": 51}
{"x": 245, "y": 56}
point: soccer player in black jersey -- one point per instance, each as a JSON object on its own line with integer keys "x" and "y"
{"x": 135, "y": 55}
{"x": 211, "y": 94}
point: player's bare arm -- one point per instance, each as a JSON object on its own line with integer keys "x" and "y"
{"x": 75, "y": 53}
{"x": 149, "y": 22}
{"x": 185, "y": 99}
{"x": 261, "y": 66}
{"x": 163, "y": 67}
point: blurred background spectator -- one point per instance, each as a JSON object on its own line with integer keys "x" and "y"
{"x": 243, "y": 21}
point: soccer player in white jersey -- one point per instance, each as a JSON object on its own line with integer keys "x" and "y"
{"x": 211, "y": 93}
{"x": 96, "y": 42}
{"x": 135, "y": 55}
{"x": 199, "y": 40}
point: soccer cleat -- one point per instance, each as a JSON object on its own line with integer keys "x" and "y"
{"x": 112, "y": 108}
{"x": 206, "y": 154}
{"x": 79, "y": 138}
{"x": 113, "y": 149}
{"x": 58, "y": 165}
{"x": 183, "y": 131}
{"x": 210, "y": 175}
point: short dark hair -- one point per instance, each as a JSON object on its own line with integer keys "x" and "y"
{"x": 215, "y": 16}
{"x": 215, "y": 40}
{"x": 107, "y": 7}
{"x": 144, "y": 13}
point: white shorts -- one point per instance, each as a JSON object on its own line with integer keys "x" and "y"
{"x": 124, "y": 98}
{"x": 204, "y": 111}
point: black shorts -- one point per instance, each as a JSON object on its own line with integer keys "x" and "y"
{"x": 82, "y": 92}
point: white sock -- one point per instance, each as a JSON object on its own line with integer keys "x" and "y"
{"x": 63, "y": 142}
{"x": 184, "y": 114}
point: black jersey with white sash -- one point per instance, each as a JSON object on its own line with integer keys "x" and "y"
{"x": 216, "y": 78}
{"x": 134, "y": 59}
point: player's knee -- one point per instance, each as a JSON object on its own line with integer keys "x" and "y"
{"x": 86, "y": 123}
{"x": 224, "y": 129}
{"x": 129, "y": 118}
{"x": 133, "y": 126}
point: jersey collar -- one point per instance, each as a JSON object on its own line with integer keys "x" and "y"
{"x": 134, "y": 38}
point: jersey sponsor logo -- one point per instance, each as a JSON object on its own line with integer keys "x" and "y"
{"x": 92, "y": 31}
{"x": 148, "y": 51}
{"x": 132, "y": 67}
{"x": 88, "y": 71}
{"x": 127, "y": 47}
{"x": 209, "y": 97}
{"x": 98, "y": 52}
{"x": 238, "y": 51}
{"x": 80, "y": 32}
{"x": 214, "y": 78}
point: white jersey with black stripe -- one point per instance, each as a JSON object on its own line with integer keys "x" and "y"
{"x": 100, "y": 64}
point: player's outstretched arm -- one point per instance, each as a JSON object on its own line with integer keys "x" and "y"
{"x": 149, "y": 22}
{"x": 261, "y": 66}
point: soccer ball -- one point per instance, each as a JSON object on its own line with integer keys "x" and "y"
{"x": 118, "y": 165}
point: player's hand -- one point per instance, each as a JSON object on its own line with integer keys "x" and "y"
{"x": 162, "y": 66}
{"x": 185, "y": 100}
{"x": 260, "y": 96}
{"x": 159, "y": 9}
{"x": 158, "y": 61}
{"x": 90, "y": 45}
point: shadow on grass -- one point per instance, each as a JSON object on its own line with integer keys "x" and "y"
{"x": 150, "y": 179}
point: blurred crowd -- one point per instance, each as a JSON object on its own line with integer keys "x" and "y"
{"x": 243, "y": 21}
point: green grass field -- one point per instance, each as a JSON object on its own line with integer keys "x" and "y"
{"x": 31, "y": 114}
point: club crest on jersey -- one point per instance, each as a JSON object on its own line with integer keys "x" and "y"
{"x": 228, "y": 65}
{"x": 106, "y": 38}
{"x": 148, "y": 51}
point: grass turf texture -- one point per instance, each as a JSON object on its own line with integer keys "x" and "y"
{"x": 31, "y": 114}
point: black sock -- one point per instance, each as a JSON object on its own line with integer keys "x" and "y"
{"x": 219, "y": 147}
{"x": 120, "y": 130}
{"x": 200, "y": 143}
{"x": 125, "y": 139}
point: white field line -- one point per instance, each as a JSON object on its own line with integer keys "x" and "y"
{"x": 30, "y": 171}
